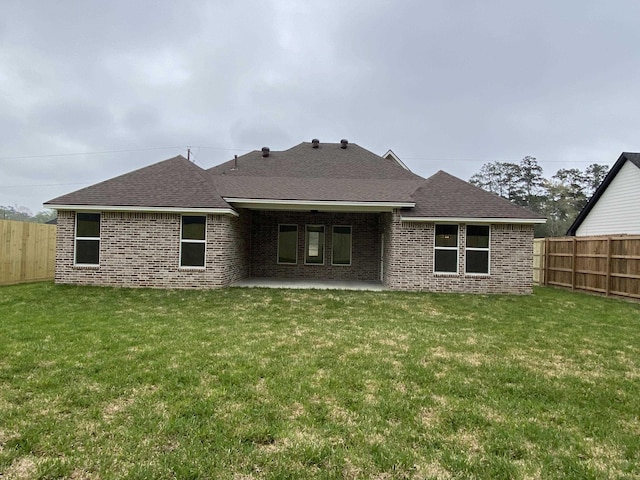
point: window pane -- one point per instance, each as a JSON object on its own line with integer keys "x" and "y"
{"x": 478, "y": 236}
{"x": 477, "y": 261}
{"x": 193, "y": 227}
{"x": 446, "y": 261}
{"x": 192, "y": 255}
{"x": 88, "y": 252}
{"x": 287, "y": 243}
{"x": 446, "y": 235}
{"x": 341, "y": 245}
{"x": 88, "y": 225}
{"x": 315, "y": 245}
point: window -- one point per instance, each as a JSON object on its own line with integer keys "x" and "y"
{"x": 314, "y": 245}
{"x": 341, "y": 245}
{"x": 192, "y": 241}
{"x": 87, "y": 239}
{"x": 446, "y": 249}
{"x": 477, "y": 252}
{"x": 288, "y": 244}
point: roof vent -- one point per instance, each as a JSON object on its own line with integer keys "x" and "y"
{"x": 265, "y": 151}
{"x": 315, "y": 142}
{"x": 344, "y": 143}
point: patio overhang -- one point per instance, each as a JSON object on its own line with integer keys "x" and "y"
{"x": 317, "y": 205}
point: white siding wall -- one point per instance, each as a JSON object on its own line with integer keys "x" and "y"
{"x": 618, "y": 210}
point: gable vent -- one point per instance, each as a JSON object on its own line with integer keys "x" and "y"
{"x": 315, "y": 143}
{"x": 265, "y": 151}
{"x": 344, "y": 143}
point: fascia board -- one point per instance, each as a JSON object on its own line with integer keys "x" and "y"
{"x": 473, "y": 220}
{"x": 115, "y": 208}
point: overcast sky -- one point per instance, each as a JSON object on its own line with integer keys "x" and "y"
{"x": 445, "y": 84}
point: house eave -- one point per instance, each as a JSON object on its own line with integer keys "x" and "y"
{"x": 474, "y": 220}
{"x": 127, "y": 208}
{"x": 320, "y": 205}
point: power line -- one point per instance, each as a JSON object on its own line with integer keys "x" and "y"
{"x": 76, "y": 154}
{"x": 128, "y": 150}
{"x": 227, "y": 149}
{"x": 479, "y": 160}
{"x": 46, "y": 185}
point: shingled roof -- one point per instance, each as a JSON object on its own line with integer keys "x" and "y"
{"x": 303, "y": 173}
{"x": 172, "y": 183}
{"x": 329, "y": 160}
{"x": 325, "y": 173}
{"x": 445, "y": 196}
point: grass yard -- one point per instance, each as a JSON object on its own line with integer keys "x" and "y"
{"x": 103, "y": 383}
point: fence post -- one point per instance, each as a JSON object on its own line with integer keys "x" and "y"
{"x": 546, "y": 260}
{"x": 608, "y": 288}
{"x": 573, "y": 263}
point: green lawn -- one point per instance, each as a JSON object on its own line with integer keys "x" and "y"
{"x": 238, "y": 384}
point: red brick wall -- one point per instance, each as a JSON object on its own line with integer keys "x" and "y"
{"x": 142, "y": 250}
{"x": 409, "y": 259}
{"x": 365, "y": 259}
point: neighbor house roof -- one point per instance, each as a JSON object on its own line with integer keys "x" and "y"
{"x": 320, "y": 175}
{"x": 625, "y": 157}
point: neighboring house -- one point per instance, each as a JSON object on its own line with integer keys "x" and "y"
{"x": 315, "y": 211}
{"x": 614, "y": 208}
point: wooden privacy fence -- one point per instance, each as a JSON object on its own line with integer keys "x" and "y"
{"x": 538, "y": 261}
{"x": 27, "y": 252}
{"x": 609, "y": 265}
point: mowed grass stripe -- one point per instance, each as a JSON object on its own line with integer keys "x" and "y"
{"x": 260, "y": 383}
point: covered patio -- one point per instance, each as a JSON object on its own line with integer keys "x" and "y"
{"x": 313, "y": 248}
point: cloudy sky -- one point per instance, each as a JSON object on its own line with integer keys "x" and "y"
{"x": 93, "y": 89}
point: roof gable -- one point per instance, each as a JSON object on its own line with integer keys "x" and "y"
{"x": 172, "y": 183}
{"x": 633, "y": 158}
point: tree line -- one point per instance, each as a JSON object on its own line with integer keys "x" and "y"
{"x": 559, "y": 198}
{"x": 23, "y": 214}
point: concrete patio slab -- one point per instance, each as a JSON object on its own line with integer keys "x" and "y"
{"x": 318, "y": 284}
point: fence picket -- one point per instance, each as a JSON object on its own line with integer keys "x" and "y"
{"x": 27, "y": 252}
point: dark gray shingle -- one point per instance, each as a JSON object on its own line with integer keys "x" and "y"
{"x": 172, "y": 183}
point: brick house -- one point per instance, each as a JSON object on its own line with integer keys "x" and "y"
{"x": 331, "y": 211}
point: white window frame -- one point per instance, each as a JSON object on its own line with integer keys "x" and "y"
{"x": 278, "y": 246}
{"x": 456, "y": 248}
{"x": 477, "y": 249}
{"x": 76, "y": 238}
{"x": 306, "y": 243}
{"x": 183, "y": 240}
{"x": 333, "y": 227}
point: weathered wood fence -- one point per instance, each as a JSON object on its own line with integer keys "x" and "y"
{"x": 27, "y": 252}
{"x": 608, "y": 265}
